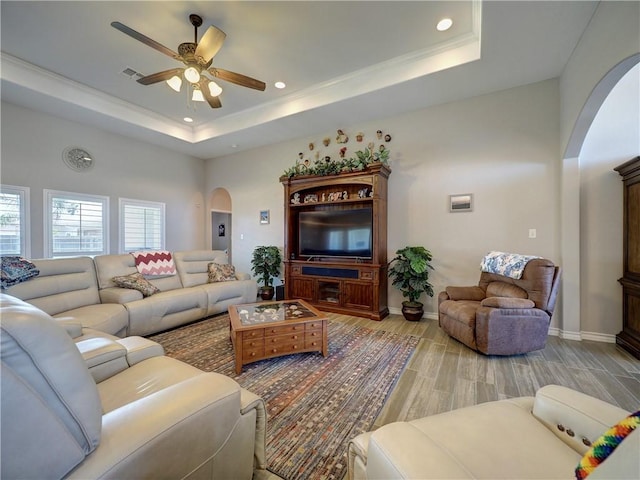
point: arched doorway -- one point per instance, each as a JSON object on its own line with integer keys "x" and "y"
{"x": 572, "y": 231}
{"x": 221, "y": 220}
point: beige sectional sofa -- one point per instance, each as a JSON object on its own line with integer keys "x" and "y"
{"x": 81, "y": 290}
{"x": 144, "y": 416}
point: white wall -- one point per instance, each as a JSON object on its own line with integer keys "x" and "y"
{"x": 502, "y": 147}
{"x": 608, "y": 48}
{"x": 614, "y": 138}
{"x": 32, "y": 146}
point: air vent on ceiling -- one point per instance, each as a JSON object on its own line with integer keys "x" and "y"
{"x": 131, "y": 73}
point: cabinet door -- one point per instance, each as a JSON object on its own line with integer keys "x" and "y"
{"x": 633, "y": 229}
{"x": 329, "y": 291}
{"x": 358, "y": 295}
{"x": 302, "y": 288}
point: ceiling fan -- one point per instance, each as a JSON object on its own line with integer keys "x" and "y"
{"x": 197, "y": 58}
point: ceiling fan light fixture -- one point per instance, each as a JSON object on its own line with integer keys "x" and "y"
{"x": 192, "y": 74}
{"x": 214, "y": 89}
{"x": 175, "y": 83}
{"x": 197, "y": 95}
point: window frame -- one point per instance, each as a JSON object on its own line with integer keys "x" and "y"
{"x": 25, "y": 216}
{"x": 123, "y": 203}
{"x": 49, "y": 196}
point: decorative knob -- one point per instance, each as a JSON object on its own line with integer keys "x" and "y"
{"x": 586, "y": 441}
{"x": 560, "y": 427}
{"x": 570, "y": 432}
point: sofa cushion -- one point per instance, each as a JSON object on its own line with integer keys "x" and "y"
{"x": 192, "y": 265}
{"x": 107, "y": 317}
{"x": 464, "y": 311}
{"x": 63, "y": 284}
{"x": 109, "y": 266}
{"x": 136, "y": 281}
{"x": 502, "y": 289}
{"x": 221, "y": 272}
{"x": 507, "y": 302}
{"x": 157, "y": 263}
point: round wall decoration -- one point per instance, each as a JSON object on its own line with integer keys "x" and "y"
{"x": 77, "y": 159}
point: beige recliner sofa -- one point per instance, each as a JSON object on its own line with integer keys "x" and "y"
{"x": 183, "y": 298}
{"x": 534, "y": 438}
{"x": 156, "y": 418}
{"x": 81, "y": 289}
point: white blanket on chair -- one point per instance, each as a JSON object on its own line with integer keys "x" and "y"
{"x": 508, "y": 264}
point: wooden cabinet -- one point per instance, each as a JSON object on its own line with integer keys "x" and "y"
{"x": 338, "y": 283}
{"x": 629, "y": 337}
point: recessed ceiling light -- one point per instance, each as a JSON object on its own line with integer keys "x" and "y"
{"x": 188, "y": 119}
{"x": 280, "y": 85}
{"x": 234, "y": 145}
{"x": 444, "y": 24}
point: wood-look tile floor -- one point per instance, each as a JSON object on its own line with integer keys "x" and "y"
{"x": 444, "y": 374}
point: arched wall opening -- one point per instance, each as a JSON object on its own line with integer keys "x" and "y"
{"x": 574, "y": 232}
{"x": 220, "y": 229}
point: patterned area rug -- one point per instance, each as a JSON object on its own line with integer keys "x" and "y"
{"x": 315, "y": 405}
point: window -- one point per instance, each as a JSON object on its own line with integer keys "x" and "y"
{"x": 141, "y": 225}
{"x": 75, "y": 224}
{"x": 14, "y": 221}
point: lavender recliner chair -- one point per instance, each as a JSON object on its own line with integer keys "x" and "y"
{"x": 502, "y": 315}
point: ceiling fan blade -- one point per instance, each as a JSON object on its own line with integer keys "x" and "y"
{"x": 210, "y": 44}
{"x": 214, "y": 102}
{"x": 146, "y": 40}
{"x": 160, "y": 76}
{"x": 238, "y": 79}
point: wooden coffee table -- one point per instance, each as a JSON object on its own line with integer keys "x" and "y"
{"x": 271, "y": 329}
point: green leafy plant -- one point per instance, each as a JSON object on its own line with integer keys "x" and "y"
{"x": 409, "y": 272}
{"x": 265, "y": 263}
{"x": 354, "y": 164}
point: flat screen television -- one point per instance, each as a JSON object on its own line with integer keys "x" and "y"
{"x": 336, "y": 233}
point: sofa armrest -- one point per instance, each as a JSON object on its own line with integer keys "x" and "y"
{"x": 574, "y": 416}
{"x": 507, "y": 302}
{"x": 474, "y": 293}
{"x": 119, "y": 295}
{"x": 250, "y": 401}
{"x": 243, "y": 276}
{"x": 173, "y": 433}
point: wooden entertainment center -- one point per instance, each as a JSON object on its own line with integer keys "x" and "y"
{"x": 343, "y": 284}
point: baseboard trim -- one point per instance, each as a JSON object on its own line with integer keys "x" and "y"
{"x": 579, "y": 336}
{"x": 427, "y": 315}
{"x": 553, "y": 331}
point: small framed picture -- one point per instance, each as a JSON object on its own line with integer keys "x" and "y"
{"x": 461, "y": 202}
{"x": 264, "y": 217}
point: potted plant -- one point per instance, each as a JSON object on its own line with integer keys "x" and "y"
{"x": 265, "y": 264}
{"x": 409, "y": 272}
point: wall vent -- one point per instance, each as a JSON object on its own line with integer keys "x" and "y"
{"x": 131, "y": 73}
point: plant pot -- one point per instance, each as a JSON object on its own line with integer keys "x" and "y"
{"x": 412, "y": 311}
{"x": 266, "y": 293}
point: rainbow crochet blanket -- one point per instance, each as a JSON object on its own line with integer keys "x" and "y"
{"x": 606, "y": 444}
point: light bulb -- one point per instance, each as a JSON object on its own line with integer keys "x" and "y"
{"x": 197, "y": 95}
{"x": 192, "y": 74}
{"x": 444, "y": 24}
{"x": 175, "y": 83}
{"x": 214, "y": 89}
